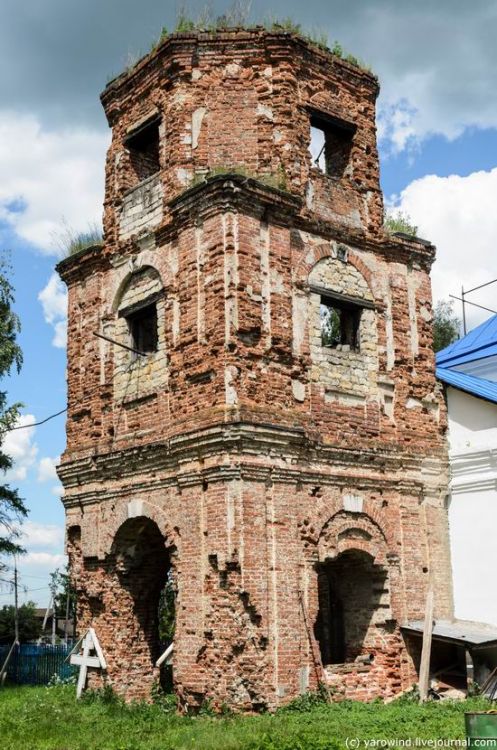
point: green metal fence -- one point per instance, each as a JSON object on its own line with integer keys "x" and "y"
{"x": 31, "y": 664}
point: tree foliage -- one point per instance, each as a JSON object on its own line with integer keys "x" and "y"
{"x": 63, "y": 590}
{"x": 29, "y": 624}
{"x": 12, "y": 508}
{"x": 446, "y": 325}
{"x": 167, "y": 610}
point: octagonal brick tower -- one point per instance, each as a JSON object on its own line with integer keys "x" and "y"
{"x": 275, "y": 442}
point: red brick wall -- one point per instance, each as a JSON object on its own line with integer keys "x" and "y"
{"x": 256, "y": 455}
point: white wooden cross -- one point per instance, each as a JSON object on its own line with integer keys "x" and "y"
{"x": 89, "y": 642}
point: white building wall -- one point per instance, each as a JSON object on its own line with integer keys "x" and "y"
{"x": 473, "y": 505}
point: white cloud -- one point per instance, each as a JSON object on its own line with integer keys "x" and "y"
{"x": 57, "y": 490}
{"x": 41, "y": 535}
{"x": 458, "y": 215}
{"x": 49, "y": 177}
{"x": 53, "y": 298}
{"x": 46, "y": 468}
{"x": 49, "y": 560}
{"x": 44, "y": 544}
{"x": 20, "y": 446}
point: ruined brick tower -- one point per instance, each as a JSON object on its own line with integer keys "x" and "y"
{"x": 275, "y": 441}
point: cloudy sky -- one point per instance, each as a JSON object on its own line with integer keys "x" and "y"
{"x": 437, "y": 126}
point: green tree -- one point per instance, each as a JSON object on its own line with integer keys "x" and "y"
{"x": 446, "y": 325}
{"x": 64, "y": 591}
{"x": 29, "y": 624}
{"x": 12, "y": 508}
{"x": 331, "y": 329}
{"x": 167, "y": 609}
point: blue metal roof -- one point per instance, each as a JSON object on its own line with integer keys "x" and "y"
{"x": 479, "y": 343}
{"x": 469, "y": 383}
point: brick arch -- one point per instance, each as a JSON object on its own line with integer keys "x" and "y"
{"x": 123, "y": 280}
{"x": 346, "y": 531}
{"x": 311, "y": 256}
{"x": 138, "y": 508}
{"x": 329, "y": 506}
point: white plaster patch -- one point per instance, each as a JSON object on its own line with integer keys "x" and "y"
{"x": 232, "y": 70}
{"x": 413, "y": 403}
{"x": 230, "y": 377}
{"x": 299, "y": 319}
{"x": 183, "y": 176}
{"x": 264, "y": 111}
{"x": 197, "y": 118}
{"x": 309, "y": 196}
{"x": 425, "y": 314}
{"x": 353, "y": 503}
{"x": 298, "y": 390}
{"x": 135, "y": 508}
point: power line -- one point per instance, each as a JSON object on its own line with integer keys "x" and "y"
{"x": 23, "y": 591}
{"x": 35, "y": 424}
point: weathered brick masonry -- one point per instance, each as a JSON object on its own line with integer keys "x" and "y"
{"x": 294, "y": 484}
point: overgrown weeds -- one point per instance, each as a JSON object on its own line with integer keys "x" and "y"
{"x": 238, "y": 16}
{"x": 400, "y": 222}
{"x": 70, "y": 241}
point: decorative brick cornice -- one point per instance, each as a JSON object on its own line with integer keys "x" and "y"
{"x": 87, "y": 260}
{"x": 241, "y": 442}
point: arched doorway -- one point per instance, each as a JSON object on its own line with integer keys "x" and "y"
{"x": 142, "y": 564}
{"x": 352, "y": 592}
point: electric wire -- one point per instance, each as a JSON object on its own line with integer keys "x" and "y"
{"x": 35, "y": 424}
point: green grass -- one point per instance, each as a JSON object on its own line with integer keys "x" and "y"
{"x": 50, "y": 718}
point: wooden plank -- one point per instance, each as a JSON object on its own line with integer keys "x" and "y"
{"x": 97, "y": 648}
{"x": 74, "y": 649}
{"x": 3, "y": 672}
{"x": 344, "y": 298}
{"x": 470, "y": 670}
{"x": 165, "y": 656}
{"x": 83, "y": 669}
{"x": 424, "y": 669}
{"x": 90, "y": 661}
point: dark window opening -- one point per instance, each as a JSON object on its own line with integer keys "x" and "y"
{"x": 339, "y": 323}
{"x": 143, "y": 329}
{"x": 351, "y": 589}
{"x": 143, "y": 148}
{"x": 331, "y": 145}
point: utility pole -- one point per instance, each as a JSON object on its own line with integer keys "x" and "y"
{"x": 53, "y": 590}
{"x": 463, "y": 311}
{"x": 67, "y": 617}
{"x": 16, "y": 605}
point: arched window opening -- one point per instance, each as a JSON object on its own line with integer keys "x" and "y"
{"x": 352, "y": 601}
{"x": 138, "y": 310}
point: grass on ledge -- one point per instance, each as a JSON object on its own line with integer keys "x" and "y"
{"x": 238, "y": 16}
{"x": 69, "y": 241}
{"x": 51, "y": 719}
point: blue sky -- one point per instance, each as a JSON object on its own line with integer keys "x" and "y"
{"x": 437, "y": 120}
